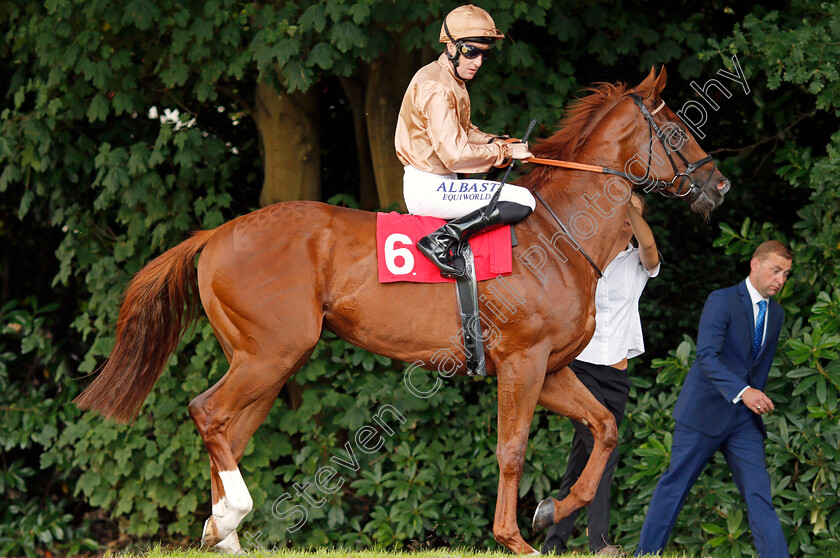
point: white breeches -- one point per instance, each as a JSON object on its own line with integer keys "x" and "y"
{"x": 448, "y": 197}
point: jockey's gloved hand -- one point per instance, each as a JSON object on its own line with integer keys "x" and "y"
{"x": 520, "y": 151}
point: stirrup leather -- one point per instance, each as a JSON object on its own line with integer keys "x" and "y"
{"x": 467, "y": 291}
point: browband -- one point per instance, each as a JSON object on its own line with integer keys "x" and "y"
{"x": 658, "y": 108}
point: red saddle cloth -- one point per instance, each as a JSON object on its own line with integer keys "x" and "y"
{"x": 399, "y": 260}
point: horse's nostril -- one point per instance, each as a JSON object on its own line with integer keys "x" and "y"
{"x": 723, "y": 186}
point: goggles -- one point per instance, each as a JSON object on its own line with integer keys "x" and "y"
{"x": 471, "y": 52}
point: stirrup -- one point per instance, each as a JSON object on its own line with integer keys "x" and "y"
{"x": 457, "y": 263}
{"x": 451, "y": 265}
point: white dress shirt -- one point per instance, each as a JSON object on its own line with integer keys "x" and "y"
{"x": 618, "y": 326}
{"x": 755, "y": 297}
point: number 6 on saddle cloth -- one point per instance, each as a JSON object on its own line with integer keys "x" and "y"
{"x": 487, "y": 255}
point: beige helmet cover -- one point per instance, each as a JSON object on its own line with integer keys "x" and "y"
{"x": 469, "y": 21}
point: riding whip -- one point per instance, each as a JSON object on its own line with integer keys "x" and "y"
{"x": 494, "y": 200}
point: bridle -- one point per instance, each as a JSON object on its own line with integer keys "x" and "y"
{"x": 661, "y": 186}
{"x": 650, "y": 184}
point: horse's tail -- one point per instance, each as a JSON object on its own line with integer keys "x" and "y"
{"x": 160, "y": 303}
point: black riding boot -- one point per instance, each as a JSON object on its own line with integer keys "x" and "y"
{"x": 440, "y": 245}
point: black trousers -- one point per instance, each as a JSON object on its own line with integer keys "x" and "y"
{"x": 610, "y": 386}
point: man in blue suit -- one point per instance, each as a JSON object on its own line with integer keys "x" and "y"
{"x": 722, "y": 400}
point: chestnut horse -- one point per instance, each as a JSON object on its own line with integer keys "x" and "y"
{"x": 272, "y": 280}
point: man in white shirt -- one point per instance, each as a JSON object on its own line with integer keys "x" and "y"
{"x": 602, "y": 368}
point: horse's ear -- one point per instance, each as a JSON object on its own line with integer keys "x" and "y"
{"x": 660, "y": 82}
{"x": 646, "y": 87}
{"x": 652, "y": 85}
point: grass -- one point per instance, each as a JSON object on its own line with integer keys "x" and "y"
{"x": 162, "y": 552}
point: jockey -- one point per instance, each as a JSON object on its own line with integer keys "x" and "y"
{"x": 435, "y": 139}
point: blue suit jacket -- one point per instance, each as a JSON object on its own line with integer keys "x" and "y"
{"x": 724, "y": 364}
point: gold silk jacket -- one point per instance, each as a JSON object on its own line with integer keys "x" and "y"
{"x": 434, "y": 132}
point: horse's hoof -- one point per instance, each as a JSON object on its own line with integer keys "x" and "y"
{"x": 544, "y": 516}
{"x": 210, "y": 535}
{"x": 230, "y": 544}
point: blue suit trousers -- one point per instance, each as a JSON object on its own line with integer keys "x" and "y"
{"x": 742, "y": 444}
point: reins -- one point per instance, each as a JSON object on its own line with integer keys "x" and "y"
{"x": 565, "y": 164}
{"x": 658, "y": 185}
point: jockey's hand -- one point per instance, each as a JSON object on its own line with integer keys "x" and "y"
{"x": 520, "y": 151}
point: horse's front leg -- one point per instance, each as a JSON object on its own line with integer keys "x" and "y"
{"x": 565, "y": 395}
{"x": 520, "y": 381}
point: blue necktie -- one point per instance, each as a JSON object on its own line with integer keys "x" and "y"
{"x": 759, "y": 327}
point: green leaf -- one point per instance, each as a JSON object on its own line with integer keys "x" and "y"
{"x": 321, "y": 55}
{"x": 98, "y": 109}
{"x": 713, "y": 528}
{"x": 122, "y": 103}
{"x": 345, "y": 35}
{"x": 285, "y": 50}
{"x": 141, "y": 13}
{"x": 313, "y": 18}
{"x": 187, "y": 504}
{"x": 88, "y": 482}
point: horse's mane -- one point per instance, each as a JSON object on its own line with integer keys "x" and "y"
{"x": 575, "y": 127}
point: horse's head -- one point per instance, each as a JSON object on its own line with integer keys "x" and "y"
{"x": 668, "y": 159}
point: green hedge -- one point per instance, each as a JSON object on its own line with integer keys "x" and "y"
{"x": 433, "y": 481}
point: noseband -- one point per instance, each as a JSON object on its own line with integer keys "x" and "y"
{"x": 661, "y": 186}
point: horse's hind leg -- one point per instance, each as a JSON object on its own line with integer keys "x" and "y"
{"x": 564, "y": 394}
{"x": 228, "y": 413}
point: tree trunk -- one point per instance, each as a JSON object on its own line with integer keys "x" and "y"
{"x": 354, "y": 88}
{"x": 290, "y": 142}
{"x": 389, "y": 76}
{"x": 375, "y": 96}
